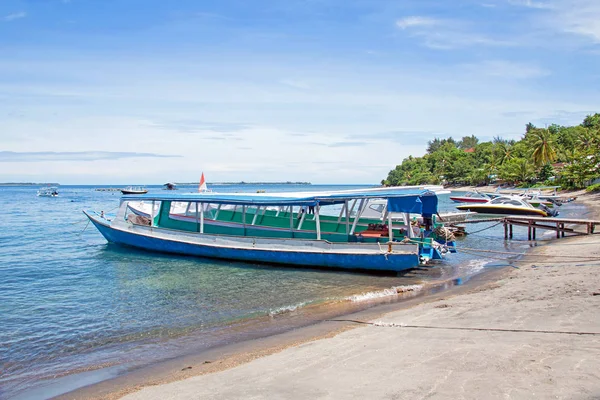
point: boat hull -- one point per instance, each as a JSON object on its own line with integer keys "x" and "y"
{"x": 487, "y": 209}
{"x": 468, "y": 200}
{"x": 248, "y": 249}
{"x": 124, "y": 191}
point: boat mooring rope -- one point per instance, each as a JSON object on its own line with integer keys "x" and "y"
{"x": 485, "y": 229}
{"x": 526, "y": 254}
{"x": 84, "y": 228}
{"x": 393, "y": 325}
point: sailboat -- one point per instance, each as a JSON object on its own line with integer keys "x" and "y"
{"x": 202, "y": 187}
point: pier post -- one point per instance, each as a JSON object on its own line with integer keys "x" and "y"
{"x": 505, "y": 230}
{"x": 558, "y": 230}
{"x": 510, "y": 233}
{"x": 533, "y": 224}
{"x": 529, "y": 230}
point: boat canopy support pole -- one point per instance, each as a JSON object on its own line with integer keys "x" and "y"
{"x": 291, "y": 218}
{"x": 201, "y": 216}
{"x": 301, "y": 220}
{"x": 347, "y": 218}
{"x": 255, "y": 215}
{"x": 152, "y": 213}
{"x": 352, "y": 207}
{"x": 342, "y": 211}
{"x": 318, "y": 221}
{"x": 197, "y": 218}
{"x": 358, "y": 214}
{"x": 218, "y": 209}
{"x": 390, "y": 230}
{"x": 406, "y": 219}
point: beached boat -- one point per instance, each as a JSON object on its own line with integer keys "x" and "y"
{"x": 285, "y": 228}
{"x": 508, "y": 205}
{"x": 134, "y": 190}
{"x": 377, "y": 208}
{"x": 50, "y": 191}
{"x": 472, "y": 197}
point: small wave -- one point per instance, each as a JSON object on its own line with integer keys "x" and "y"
{"x": 393, "y": 291}
{"x": 285, "y": 309}
{"x": 476, "y": 265}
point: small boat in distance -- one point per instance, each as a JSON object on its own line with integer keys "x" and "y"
{"x": 508, "y": 205}
{"x": 285, "y": 228}
{"x": 170, "y": 186}
{"x": 50, "y": 191}
{"x": 134, "y": 190}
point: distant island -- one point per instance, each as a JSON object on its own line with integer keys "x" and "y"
{"x": 29, "y": 184}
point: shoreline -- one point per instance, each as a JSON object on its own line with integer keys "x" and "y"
{"x": 228, "y": 356}
{"x": 185, "y": 372}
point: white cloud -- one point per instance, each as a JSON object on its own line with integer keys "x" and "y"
{"x": 530, "y": 4}
{"x": 446, "y": 34}
{"x": 416, "y": 21}
{"x": 507, "y": 69}
{"x": 580, "y": 17}
{"x": 298, "y": 84}
{"x": 14, "y": 16}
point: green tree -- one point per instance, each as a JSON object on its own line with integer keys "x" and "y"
{"x": 542, "y": 146}
{"x": 518, "y": 170}
{"x": 591, "y": 121}
{"x": 468, "y": 142}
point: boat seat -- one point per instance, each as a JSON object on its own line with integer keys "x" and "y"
{"x": 139, "y": 220}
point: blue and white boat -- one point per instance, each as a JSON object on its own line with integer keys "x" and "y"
{"x": 284, "y": 228}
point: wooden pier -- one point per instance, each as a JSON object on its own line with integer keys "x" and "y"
{"x": 534, "y": 223}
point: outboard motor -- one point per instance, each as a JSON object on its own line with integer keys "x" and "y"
{"x": 551, "y": 212}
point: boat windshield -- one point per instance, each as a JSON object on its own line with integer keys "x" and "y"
{"x": 475, "y": 195}
{"x": 508, "y": 200}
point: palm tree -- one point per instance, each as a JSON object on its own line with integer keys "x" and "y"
{"x": 505, "y": 148}
{"x": 523, "y": 171}
{"x": 543, "y": 147}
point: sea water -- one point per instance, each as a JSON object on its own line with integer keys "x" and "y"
{"x": 71, "y": 302}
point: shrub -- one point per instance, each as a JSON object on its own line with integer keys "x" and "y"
{"x": 593, "y": 188}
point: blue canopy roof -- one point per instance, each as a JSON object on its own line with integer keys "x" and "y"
{"x": 425, "y": 204}
{"x": 400, "y": 199}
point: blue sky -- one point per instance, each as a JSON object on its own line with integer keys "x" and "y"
{"x": 327, "y": 91}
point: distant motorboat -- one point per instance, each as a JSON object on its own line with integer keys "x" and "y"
{"x": 50, "y": 191}
{"x": 508, "y": 205}
{"x": 134, "y": 190}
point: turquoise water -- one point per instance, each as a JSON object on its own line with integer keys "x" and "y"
{"x": 69, "y": 301}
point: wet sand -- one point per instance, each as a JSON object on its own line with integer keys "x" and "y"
{"x": 534, "y": 332}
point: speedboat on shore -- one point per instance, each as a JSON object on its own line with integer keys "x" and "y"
{"x": 472, "y": 197}
{"x": 50, "y": 191}
{"x": 508, "y": 205}
{"x": 134, "y": 190}
{"x": 285, "y": 228}
{"x": 378, "y": 208}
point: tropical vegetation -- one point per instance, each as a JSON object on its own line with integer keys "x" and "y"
{"x": 568, "y": 156}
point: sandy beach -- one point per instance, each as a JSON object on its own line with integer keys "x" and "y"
{"x": 532, "y": 333}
